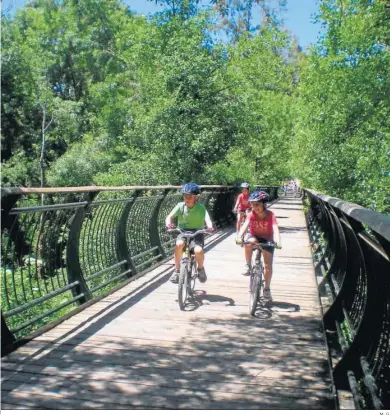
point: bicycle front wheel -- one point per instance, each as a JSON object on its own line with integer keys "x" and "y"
{"x": 183, "y": 286}
{"x": 255, "y": 284}
{"x": 192, "y": 278}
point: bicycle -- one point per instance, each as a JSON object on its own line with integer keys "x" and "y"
{"x": 256, "y": 281}
{"x": 188, "y": 267}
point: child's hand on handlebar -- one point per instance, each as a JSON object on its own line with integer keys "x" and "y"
{"x": 170, "y": 226}
{"x": 211, "y": 230}
{"x": 239, "y": 241}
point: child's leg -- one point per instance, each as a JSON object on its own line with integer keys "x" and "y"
{"x": 238, "y": 223}
{"x": 248, "y": 250}
{"x": 199, "y": 256}
{"x": 268, "y": 257}
{"x": 178, "y": 253}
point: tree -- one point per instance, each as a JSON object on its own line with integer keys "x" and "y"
{"x": 342, "y": 142}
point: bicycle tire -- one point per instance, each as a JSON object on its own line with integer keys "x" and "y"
{"x": 183, "y": 286}
{"x": 192, "y": 278}
{"x": 255, "y": 285}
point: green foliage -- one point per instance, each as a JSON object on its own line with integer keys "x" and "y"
{"x": 77, "y": 166}
{"x": 342, "y": 140}
{"x": 21, "y": 286}
{"x": 153, "y": 101}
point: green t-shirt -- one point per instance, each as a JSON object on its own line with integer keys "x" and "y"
{"x": 189, "y": 218}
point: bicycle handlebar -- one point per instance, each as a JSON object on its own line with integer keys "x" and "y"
{"x": 188, "y": 234}
{"x": 260, "y": 244}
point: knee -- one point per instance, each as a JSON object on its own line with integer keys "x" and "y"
{"x": 179, "y": 244}
{"x": 198, "y": 249}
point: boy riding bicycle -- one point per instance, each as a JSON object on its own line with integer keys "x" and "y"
{"x": 263, "y": 227}
{"x": 191, "y": 216}
{"x": 242, "y": 205}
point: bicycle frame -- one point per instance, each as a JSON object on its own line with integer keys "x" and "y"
{"x": 256, "y": 280}
{"x": 188, "y": 256}
{"x": 186, "y": 281}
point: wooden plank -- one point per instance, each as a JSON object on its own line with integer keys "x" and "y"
{"x": 159, "y": 387}
{"x": 17, "y": 405}
{"x": 163, "y": 397}
{"x": 302, "y": 379}
{"x": 39, "y": 346}
{"x": 135, "y": 375}
{"x": 272, "y": 364}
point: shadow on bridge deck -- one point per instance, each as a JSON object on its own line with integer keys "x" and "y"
{"x": 136, "y": 349}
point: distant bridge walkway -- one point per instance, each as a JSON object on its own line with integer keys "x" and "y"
{"x": 136, "y": 349}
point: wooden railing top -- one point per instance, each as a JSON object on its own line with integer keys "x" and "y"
{"x": 378, "y": 222}
{"x": 29, "y": 190}
{"x": 48, "y": 190}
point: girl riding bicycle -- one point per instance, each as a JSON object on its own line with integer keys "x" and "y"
{"x": 262, "y": 227}
{"x": 192, "y": 216}
{"x": 242, "y": 205}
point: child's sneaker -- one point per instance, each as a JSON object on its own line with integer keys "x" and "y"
{"x": 247, "y": 270}
{"x": 175, "y": 277}
{"x": 202, "y": 275}
{"x": 267, "y": 294}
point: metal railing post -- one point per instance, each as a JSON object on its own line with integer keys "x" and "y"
{"x": 73, "y": 267}
{"x": 153, "y": 225}
{"x": 7, "y": 338}
{"x": 122, "y": 248}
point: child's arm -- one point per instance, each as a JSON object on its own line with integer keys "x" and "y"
{"x": 243, "y": 228}
{"x": 208, "y": 221}
{"x": 169, "y": 219}
{"x": 277, "y": 239}
{"x": 237, "y": 203}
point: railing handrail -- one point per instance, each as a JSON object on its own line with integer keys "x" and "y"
{"x": 378, "y": 222}
{"x": 29, "y": 190}
{"x": 351, "y": 252}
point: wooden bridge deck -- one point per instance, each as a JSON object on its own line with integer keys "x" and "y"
{"x": 136, "y": 349}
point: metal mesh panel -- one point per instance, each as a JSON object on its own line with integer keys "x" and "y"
{"x": 98, "y": 241}
{"x": 34, "y": 265}
{"x": 137, "y": 235}
{"x": 167, "y": 240}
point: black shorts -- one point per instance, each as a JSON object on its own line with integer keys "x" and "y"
{"x": 198, "y": 240}
{"x": 269, "y": 249}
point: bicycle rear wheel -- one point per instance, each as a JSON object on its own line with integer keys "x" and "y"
{"x": 183, "y": 286}
{"x": 255, "y": 284}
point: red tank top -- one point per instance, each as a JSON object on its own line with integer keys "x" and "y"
{"x": 262, "y": 227}
{"x": 243, "y": 203}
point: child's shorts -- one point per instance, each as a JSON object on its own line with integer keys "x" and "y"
{"x": 198, "y": 240}
{"x": 269, "y": 249}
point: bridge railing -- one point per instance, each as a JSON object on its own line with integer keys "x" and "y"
{"x": 64, "y": 247}
{"x": 352, "y": 253}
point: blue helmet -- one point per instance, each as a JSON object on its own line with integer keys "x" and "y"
{"x": 190, "y": 189}
{"x": 245, "y": 185}
{"x": 258, "y": 196}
